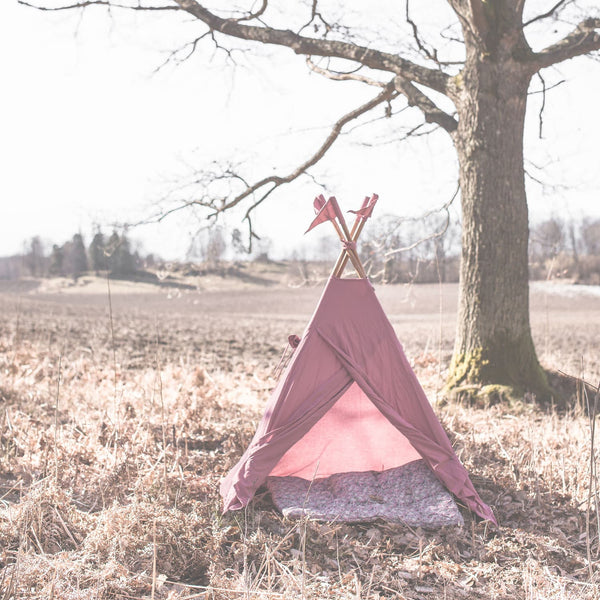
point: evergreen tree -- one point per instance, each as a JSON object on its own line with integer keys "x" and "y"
{"x": 120, "y": 260}
{"x": 590, "y": 236}
{"x": 57, "y": 259}
{"x": 126, "y": 260}
{"x": 79, "y": 263}
{"x": 97, "y": 255}
{"x": 34, "y": 259}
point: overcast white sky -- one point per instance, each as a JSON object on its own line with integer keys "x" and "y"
{"x": 90, "y": 135}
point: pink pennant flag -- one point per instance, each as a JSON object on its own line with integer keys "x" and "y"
{"x": 326, "y": 211}
{"x": 319, "y": 203}
{"x": 367, "y": 207}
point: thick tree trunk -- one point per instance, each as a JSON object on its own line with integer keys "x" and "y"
{"x": 494, "y": 351}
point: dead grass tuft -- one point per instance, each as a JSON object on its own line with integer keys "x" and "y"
{"x": 72, "y": 577}
{"x": 45, "y": 521}
{"x": 142, "y": 534}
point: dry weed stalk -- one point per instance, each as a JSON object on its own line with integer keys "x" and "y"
{"x": 114, "y": 356}
{"x": 56, "y": 433}
{"x": 162, "y": 414}
{"x": 593, "y": 490}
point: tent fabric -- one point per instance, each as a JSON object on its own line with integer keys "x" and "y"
{"x": 348, "y": 353}
{"x": 331, "y": 447}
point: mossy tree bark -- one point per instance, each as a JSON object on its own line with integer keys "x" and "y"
{"x": 494, "y": 344}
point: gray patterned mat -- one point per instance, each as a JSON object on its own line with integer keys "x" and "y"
{"x": 409, "y": 494}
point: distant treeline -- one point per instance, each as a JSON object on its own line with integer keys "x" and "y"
{"x": 428, "y": 250}
{"x": 394, "y": 250}
{"x": 104, "y": 254}
{"x": 563, "y": 248}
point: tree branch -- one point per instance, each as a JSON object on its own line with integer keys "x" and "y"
{"x": 255, "y": 15}
{"x": 541, "y": 113}
{"x": 582, "y": 40}
{"x": 383, "y": 240}
{"x": 87, "y": 3}
{"x": 432, "y": 236}
{"x": 387, "y": 94}
{"x": 411, "y": 132}
{"x": 432, "y": 54}
{"x": 433, "y": 114}
{"x": 316, "y": 15}
{"x": 189, "y": 48}
{"x": 420, "y": 44}
{"x": 336, "y": 76}
{"x": 547, "y": 14}
{"x": 375, "y": 59}
{"x": 471, "y": 18}
{"x": 266, "y": 186}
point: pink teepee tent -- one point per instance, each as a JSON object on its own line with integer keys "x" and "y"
{"x": 348, "y": 400}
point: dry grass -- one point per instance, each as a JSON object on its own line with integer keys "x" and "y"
{"x": 111, "y": 491}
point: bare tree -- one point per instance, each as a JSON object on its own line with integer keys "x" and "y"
{"x": 590, "y": 236}
{"x": 34, "y": 257}
{"x": 57, "y": 259}
{"x": 209, "y": 245}
{"x": 478, "y": 100}
{"x": 96, "y": 253}
{"x": 75, "y": 258}
{"x": 119, "y": 260}
{"x": 412, "y": 249}
{"x": 547, "y": 239}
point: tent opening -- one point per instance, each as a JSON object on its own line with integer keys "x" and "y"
{"x": 352, "y": 436}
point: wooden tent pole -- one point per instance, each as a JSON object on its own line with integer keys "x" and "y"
{"x": 351, "y": 252}
{"x": 355, "y": 234}
{"x": 343, "y": 257}
{"x": 353, "y": 256}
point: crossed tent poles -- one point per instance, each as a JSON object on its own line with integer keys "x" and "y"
{"x": 329, "y": 210}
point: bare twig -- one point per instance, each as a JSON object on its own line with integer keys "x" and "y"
{"x": 547, "y": 88}
{"x": 450, "y": 37}
{"x": 432, "y": 112}
{"x": 541, "y": 113}
{"x": 337, "y": 76}
{"x": 114, "y": 355}
{"x": 409, "y": 133}
{"x": 315, "y": 15}
{"x": 433, "y": 236}
{"x": 188, "y": 50}
{"x": 593, "y": 483}
{"x": 253, "y": 15}
{"x": 548, "y": 13}
{"x": 445, "y": 208}
{"x": 432, "y": 54}
{"x": 56, "y": 418}
{"x": 106, "y": 3}
{"x": 162, "y": 414}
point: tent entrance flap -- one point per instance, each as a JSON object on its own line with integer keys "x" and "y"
{"x": 352, "y": 436}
